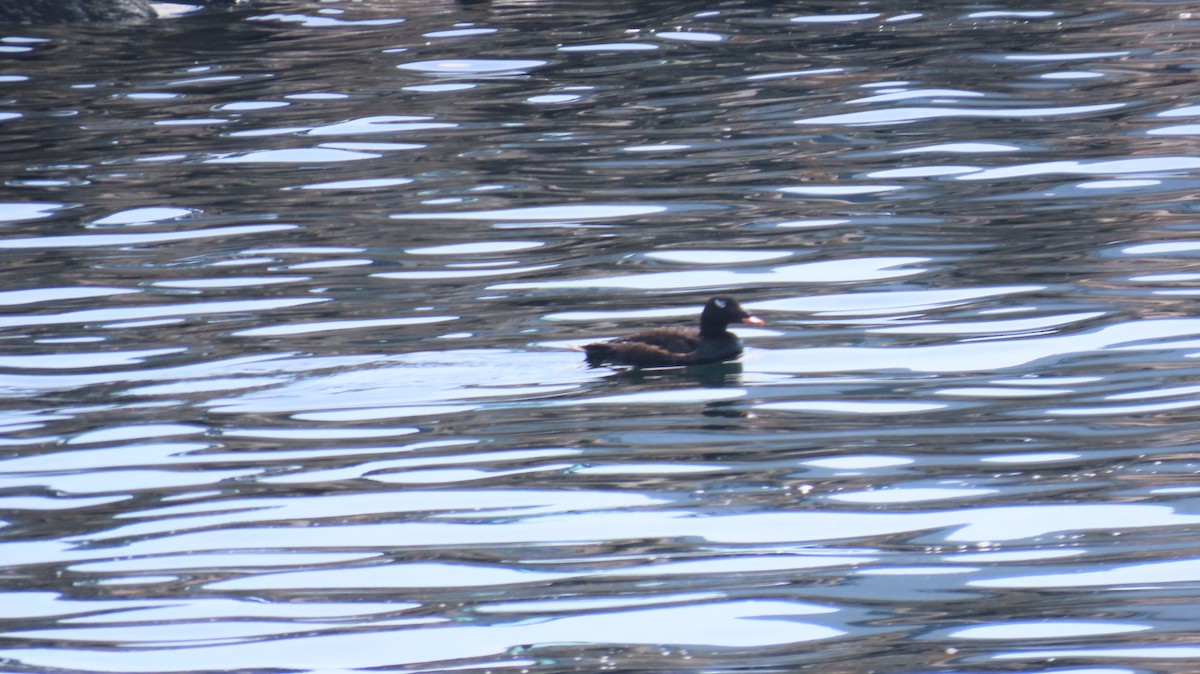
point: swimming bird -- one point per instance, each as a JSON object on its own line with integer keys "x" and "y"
{"x": 712, "y": 342}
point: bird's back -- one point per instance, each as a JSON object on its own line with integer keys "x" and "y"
{"x": 664, "y": 347}
{"x": 675, "y": 340}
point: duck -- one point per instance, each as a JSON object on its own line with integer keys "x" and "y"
{"x": 712, "y": 342}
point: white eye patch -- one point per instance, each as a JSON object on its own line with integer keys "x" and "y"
{"x": 720, "y": 303}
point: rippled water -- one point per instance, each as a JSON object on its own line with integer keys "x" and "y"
{"x": 290, "y": 294}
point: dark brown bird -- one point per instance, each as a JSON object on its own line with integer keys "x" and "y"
{"x": 663, "y": 347}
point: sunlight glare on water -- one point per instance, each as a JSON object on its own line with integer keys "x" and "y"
{"x": 294, "y": 294}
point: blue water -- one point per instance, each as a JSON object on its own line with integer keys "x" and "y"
{"x": 291, "y": 291}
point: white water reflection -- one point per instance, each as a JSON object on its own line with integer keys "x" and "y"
{"x": 295, "y": 156}
{"x": 327, "y": 326}
{"x": 144, "y": 216}
{"x": 913, "y": 114}
{"x": 289, "y": 307}
{"x": 1136, "y": 575}
{"x": 564, "y": 213}
{"x": 1046, "y": 629}
{"x": 13, "y": 212}
{"x": 594, "y": 517}
{"x": 966, "y": 357}
{"x": 731, "y": 624}
{"x": 883, "y": 303}
{"x": 99, "y": 240}
{"x": 852, "y": 407}
{"x": 471, "y": 66}
{"x": 835, "y": 18}
{"x": 840, "y": 271}
{"x": 135, "y": 313}
{"x": 36, "y": 295}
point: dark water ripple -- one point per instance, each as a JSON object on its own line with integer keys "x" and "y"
{"x": 290, "y": 293}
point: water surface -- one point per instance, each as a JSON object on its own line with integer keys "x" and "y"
{"x": 290, "y": 293}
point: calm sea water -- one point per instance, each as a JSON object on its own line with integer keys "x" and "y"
{"x": 289, "y": 294}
